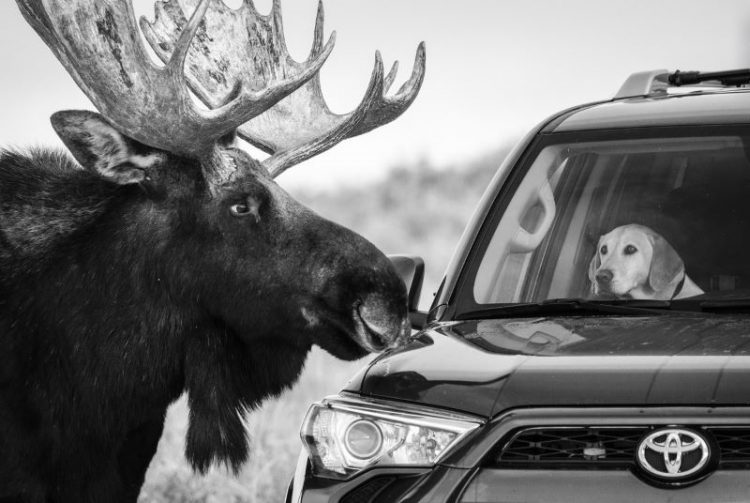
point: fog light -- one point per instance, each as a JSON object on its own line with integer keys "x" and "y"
{"x": 363, "y": 439}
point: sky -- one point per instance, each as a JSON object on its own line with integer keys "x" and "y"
{"x": 494, "y": 69}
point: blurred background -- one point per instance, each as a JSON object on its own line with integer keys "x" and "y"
{"x": 494, "y": 70}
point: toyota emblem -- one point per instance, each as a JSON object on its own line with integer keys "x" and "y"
{"x": 673, "y": 453}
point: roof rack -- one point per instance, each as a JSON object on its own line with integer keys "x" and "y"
{"x": 659, "y": 81}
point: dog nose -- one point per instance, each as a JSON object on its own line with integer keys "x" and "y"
{"x": 604, "y": 276}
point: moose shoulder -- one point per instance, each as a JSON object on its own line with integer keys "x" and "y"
{"x": 161, "y": 263}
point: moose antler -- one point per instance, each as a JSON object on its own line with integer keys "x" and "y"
{"x": 299, "y": 126}
{"x": 98, "y": 42}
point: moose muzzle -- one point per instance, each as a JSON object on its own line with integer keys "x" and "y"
{"x": 378, "y": 326}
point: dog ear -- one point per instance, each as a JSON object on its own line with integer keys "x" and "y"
{"x": 593, "y": 266}
{"x": 666, "y": 264}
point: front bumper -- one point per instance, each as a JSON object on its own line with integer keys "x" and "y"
{"x": 586, "y": 486}
{"x": 464, "y": 476}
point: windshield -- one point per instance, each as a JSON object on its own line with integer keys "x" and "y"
{"x": 645, "y": 218}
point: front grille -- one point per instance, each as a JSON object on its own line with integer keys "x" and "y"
{"x": 734, "y": 445}
{"x": 609, "y": 447}
{"x": 606, "y": 448}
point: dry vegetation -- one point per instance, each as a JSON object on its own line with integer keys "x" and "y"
{"x": 418, "y": 210}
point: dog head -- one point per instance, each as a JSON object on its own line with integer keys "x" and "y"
{"x": 633, "y": 260}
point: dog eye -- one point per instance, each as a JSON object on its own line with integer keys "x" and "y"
{"x": 603, "y": 250}
{"x": 630, "y": 249}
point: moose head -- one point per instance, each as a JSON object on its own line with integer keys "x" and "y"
{"x": 256, "y": 259}
{"x": 177, "y": 250}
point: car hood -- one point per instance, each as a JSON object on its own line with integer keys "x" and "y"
{"x": 489, "y": 366}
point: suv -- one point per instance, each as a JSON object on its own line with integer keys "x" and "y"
{"x": 591, "y": 338}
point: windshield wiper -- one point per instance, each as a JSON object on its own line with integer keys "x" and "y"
{"x": 741, "y": 305}
{"x": 573, "y": 307}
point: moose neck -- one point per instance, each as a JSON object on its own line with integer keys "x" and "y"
{"x": 102, "y": 307}
{"x": 118, "y": 301}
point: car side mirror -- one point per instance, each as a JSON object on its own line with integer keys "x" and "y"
{"x": 411, "y": 270}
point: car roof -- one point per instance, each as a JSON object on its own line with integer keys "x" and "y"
{"x": 693, "y": 108}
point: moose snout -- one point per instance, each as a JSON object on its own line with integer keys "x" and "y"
{"x": 378, "y": 325}
{"x": 604, "y": 276}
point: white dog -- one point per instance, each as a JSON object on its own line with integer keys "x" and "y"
{"x": 633, "y": 261}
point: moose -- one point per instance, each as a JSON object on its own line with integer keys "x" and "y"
{"x": 164, "y": 259}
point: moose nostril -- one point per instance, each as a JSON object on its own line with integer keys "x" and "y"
{"x": 377, "y": 321}
{"x": 383, "y": 325}
{"x": 604, "y": 276}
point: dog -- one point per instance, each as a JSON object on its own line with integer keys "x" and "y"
{"x": 633, "y": 261}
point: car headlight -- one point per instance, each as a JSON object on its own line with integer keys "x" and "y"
{"x": 346, "y": 435}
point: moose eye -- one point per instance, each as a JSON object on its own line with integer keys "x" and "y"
{"x": 603, "y": 250}
{"x": 249, "y": 207}
{"x": 239, "y": 209}
{"x": 630, "y": 249}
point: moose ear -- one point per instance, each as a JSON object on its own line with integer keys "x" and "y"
{"x": 593, "y": 266}
{"x": 99, "y": 147}
{"x": 666, "y": 264}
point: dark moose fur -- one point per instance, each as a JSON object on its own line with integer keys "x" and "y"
{"x": 114, "y": 299}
